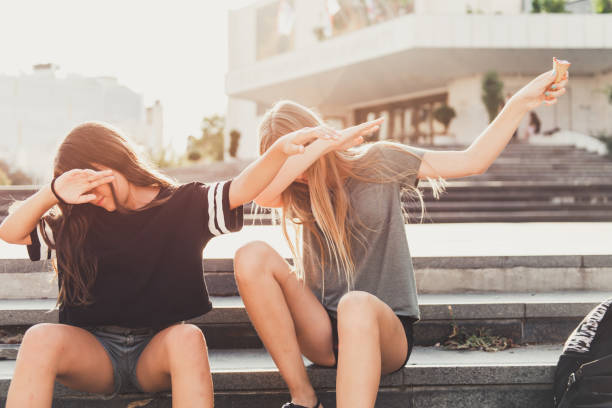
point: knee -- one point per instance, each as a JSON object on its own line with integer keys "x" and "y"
{"x": 356, "y": 311}
{"x": 250, "y": 260}
{"x": 43, "y": 341}
{"x": 185, "y": 339}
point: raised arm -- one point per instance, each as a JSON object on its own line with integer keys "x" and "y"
{"x": 73, "y": 187}
{"x": 477, "y": 158}
{"x": 296, "y": 165}
{"x": 252, "y": 180}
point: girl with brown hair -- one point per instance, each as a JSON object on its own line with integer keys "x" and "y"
{"x": 351, "y": 300}
{"x": 128, "y": 245}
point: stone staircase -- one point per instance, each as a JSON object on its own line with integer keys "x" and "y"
{"x": 526, "y": 183}
{"x": 534, "y": 300}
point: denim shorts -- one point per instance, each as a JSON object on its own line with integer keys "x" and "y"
{"x": 124, "y": 347}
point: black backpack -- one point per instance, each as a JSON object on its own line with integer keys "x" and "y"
{"x": 583, "y": 378}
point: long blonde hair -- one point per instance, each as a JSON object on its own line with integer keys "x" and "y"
{"x": 324, "y": 201}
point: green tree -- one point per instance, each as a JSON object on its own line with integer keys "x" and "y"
{"x": 492, "y": 94}
{"x": 444, "y": 114}
{"x": 16, "y": 177}
{"x": 554, "y": 6}
{"x": 4, "y": 179}
{"x": 536, "y": 6}
{"x": 602, "y": 6}
{"x": 234, "y": 142}
{"x": 211, "y": 145}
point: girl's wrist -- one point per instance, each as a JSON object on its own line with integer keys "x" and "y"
{"x": 519, "y": 104}
{"x": 48, "y": 194}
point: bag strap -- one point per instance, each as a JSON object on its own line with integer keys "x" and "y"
{"x": 601, "y": 368}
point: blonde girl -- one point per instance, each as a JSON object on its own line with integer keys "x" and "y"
{"x": 351, "y": 300}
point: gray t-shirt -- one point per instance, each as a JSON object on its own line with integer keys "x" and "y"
{"x": 383, "y": 266}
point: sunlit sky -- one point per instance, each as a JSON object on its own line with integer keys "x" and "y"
{"x": 174, "y": 51}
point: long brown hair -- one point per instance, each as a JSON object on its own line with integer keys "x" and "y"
{"x": 90, "y": 144}
{"x": 324, "y": 201}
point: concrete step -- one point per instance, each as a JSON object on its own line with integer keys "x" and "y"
{"x": 21, "y": 278}
{"x": 526, "y": 318}
{"x": 492, "y": 216}
{"x": 519, "y": 216}
{"x": 433, "y": 378}
{"x": 443, "y": 205}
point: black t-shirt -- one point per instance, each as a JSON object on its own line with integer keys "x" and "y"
{"x": 150, "y": 262}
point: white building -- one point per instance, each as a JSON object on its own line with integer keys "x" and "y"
{"x": 37, "y": 110}
{"x": 402, "y": 59}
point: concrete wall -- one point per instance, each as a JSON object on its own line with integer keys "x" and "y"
{"x": 242, "y": 116}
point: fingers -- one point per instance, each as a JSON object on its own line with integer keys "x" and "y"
{"x": 100, "y": 181}
{"x": 550, "y": 102}
{"x": 369, "y": 131}
{"x": 554, "y": 94}
{"x": 86, "y": 198}
{"x": 97, "y": 175}
{"x": 357, "y": 142}
{"x": 309, "y": 134}
{"x": 369, "y": 125}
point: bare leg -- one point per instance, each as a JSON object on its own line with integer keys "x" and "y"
{"x": 287, "y": 316}
{"x": 371, "y": 341}
{"x": 68, "y": 354}
{"x": 177, "y": 359}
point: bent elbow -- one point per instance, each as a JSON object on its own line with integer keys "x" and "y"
{"x": 479, "y": 170}
{"x": 268, "y": 203}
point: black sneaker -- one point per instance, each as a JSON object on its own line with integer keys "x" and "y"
{"x": 292, "y": 405}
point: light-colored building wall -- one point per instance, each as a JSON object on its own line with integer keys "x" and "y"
{"x": 438, "y": 47}
{"x": 242, "y": 116}
{"x": 37, "y": 110}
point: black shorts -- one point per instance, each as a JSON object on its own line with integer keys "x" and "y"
{"x": 407, "y": 322}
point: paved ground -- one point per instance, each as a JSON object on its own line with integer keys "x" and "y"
{"x": 482, "y": 239}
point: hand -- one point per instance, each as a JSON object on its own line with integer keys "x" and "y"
{"x": 75, "y": 186}
{"x": 541, "y": 89}
{"x": 294, "y": 142}
{"x": 353, "y": 136}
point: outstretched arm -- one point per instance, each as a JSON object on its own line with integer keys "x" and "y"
{"x": 296, "y": 165}
{"x": 477, "y": 158}
{"x": 73, "y": 186}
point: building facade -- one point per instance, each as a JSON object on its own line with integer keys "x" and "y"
{"x": 37, "y": 110}
{"x": 402, "y": 59}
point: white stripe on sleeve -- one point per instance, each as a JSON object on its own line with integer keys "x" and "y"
{"x": 45, "y": 251}
{"x": 220, "y": 213}
{"x": 211, "y": 209}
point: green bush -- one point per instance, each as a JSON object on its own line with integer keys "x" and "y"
{"x": 234, "y": 142}
{"x": 211, "y": 145}
{"x": 602, "y": 6}
{"x": 194, "y": 156}
{"x": 549, "y": 6}
{"x": 492, "y": 94}
{"x": 444, "y": 114}
{"x": 4, "y": 179}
